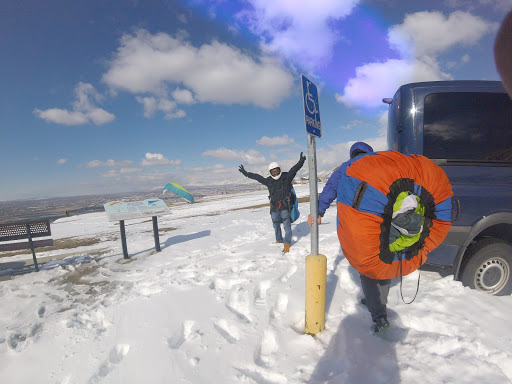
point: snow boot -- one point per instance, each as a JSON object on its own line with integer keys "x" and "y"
{"x": 286, "y": 248}
{"x": 380, "y": 323}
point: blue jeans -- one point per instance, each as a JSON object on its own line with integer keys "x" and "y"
{"x": 282, "y": 217}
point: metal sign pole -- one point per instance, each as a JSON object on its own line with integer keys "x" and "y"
{"x": 313, "y": 193}
{"x": 155, "y": 233}
{"x": 316, "y": 265}
{"x": 123, "y": 239}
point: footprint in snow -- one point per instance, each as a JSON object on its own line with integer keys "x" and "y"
{"x": 219, "y": 284}
{"x": 260, "y": 295}
{"x": 182, "y": 335}
{"x": 238, "y": 303}
{"x": 263, "y": 355}
{"x": 288, "y": 273}
{"x": 260, "y": 375}
{"x": 230, "y": 333}
{"x": 279, "y": 306}
{"x": 18, "y": 341}
{"x": 115, "y": 356}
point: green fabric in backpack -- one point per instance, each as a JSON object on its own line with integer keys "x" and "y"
{"x": 410, "y": 222}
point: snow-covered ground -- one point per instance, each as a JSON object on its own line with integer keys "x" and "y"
{"x": 221, "y": 304}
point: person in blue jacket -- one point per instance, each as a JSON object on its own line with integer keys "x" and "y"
{"x": 279, "y": 186}
{"x": 375, "y": 291}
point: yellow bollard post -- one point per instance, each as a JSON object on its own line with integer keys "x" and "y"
{"x": 316, "y": 276}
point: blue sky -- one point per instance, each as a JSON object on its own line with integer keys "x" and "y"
{"x": 120, "y": 96}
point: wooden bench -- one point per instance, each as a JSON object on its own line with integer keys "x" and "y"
{"x": 25, "y": 230}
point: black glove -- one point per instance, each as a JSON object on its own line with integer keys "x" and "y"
{"x": 302, "y": 157}
{"x": 242, "y": 169}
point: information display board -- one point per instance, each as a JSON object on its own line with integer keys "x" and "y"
{"x": 126, "y": 210}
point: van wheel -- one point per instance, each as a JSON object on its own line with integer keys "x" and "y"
{"x": 487, "y": 267}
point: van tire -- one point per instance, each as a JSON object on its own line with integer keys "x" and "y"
{"x": 487, "y": 267}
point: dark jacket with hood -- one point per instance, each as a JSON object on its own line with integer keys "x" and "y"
{"x": 280, "y": 189}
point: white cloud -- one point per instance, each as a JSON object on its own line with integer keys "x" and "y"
{"x": 215, "y": 174}
{"x": 109, "y": 163}
{"x": 431, "y": 33}
{"x": 463, "y": 60}
{"x": 123, "y": 171}
{"x": 99, "y": 116}
{"x": 130, "y": 170}
{"x": 274, "y": 141}
{"x": 300, "y": 31}
{"x": 61, "y": 116}
{"x": 183, "y": 96}
{"x": 352, "y": 124}
{"x": 420, "y": 39}
{"x": 168, "y": 107}
{"x": 84, "y": 109}
{"x": 215, "y": 72}
{"x": 62, "y": 161}
{"x": 378, "y": 80}
{"x": 217, "y": 168}
{"x": 112, "y": 173}
{"x": 333, "y": 156}
{"x": 249, "y": 157}
{"x": 383, "y": 127}
{"x": 157, "y": 159}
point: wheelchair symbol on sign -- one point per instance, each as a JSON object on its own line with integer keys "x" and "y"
{"x": 309, "y": 101}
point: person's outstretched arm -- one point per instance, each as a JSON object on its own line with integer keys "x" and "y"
{"x": 253, "y": 176}
{"x": 329, "y": 193}
{"x": 293, "y": 170}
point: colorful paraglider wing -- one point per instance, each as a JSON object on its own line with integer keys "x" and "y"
{"x": 180, "y": 191}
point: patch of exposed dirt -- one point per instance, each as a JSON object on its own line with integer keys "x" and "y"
{"x": 160, "y": 230}
{"x": 166, "y": 229}
{"x": 64, "y": 243}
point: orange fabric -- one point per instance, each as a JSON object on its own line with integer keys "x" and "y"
{"x": 383, "y": 168}
{"x": 434, "y": 179}
{"x": 359, "y": 232}
{"x": 359, "y": 236}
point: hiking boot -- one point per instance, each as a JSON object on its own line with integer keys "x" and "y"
{"x": 380, "y": 323}
{"x": 286, "y": 248}
{"x": 279, "y": 242}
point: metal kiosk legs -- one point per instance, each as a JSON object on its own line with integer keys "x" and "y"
{"x": 123, "y": 236}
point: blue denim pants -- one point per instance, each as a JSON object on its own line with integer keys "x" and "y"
{"x": 284, "y": 218}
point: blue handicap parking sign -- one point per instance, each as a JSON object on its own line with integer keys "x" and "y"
{"x": 311, "y": 107}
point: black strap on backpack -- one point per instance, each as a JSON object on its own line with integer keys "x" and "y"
{"x": 400, "y": 258}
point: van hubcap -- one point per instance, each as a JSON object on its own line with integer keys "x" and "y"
{"x": 492, "y": 275}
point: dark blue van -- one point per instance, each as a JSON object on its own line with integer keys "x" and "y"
{"x": 466, "y": 128}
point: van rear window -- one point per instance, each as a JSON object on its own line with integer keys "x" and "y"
{"x": 473, "y": 126}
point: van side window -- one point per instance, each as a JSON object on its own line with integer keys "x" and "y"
{"x": 473, "y": 126}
